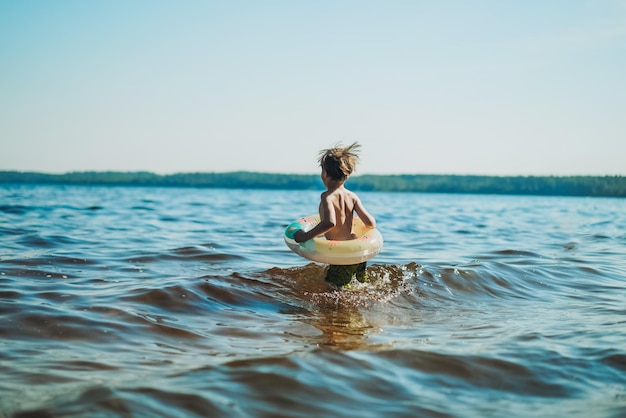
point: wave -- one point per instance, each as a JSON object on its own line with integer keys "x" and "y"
{"x": 283, "y": 336}
{"x": 322, "y": 382}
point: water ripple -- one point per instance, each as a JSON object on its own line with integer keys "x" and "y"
{"x": 185, "y": 302}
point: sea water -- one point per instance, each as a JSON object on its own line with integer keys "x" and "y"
{"x": 183, "y": 302}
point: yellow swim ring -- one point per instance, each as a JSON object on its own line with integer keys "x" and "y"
{"x": 366, "y": 245}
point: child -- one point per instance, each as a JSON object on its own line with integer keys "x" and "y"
{"x": 337, "y": 208}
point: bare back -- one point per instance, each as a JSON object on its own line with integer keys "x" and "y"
{"x": 337, "y": 207}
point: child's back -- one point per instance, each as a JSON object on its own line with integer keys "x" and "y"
{"x": 342, "y": 204}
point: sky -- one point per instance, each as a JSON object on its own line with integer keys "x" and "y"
{"x": 485, "y": 87}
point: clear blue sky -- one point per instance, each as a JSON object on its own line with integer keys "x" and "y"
{"x": 533, "y": 87}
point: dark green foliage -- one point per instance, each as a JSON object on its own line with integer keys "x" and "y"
{"x": 613, "y": 186}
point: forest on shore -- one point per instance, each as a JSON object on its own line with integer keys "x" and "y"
{"x": 605, "y": 186}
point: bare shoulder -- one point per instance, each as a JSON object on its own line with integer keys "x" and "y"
{"x": 353, "y": 196}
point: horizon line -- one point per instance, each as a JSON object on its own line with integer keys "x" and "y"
{"x": 302, "y": 174}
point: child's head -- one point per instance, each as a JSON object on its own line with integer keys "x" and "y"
{"x": 339, "y": 162}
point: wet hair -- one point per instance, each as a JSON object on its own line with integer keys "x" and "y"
{"x": 339, "y": 162}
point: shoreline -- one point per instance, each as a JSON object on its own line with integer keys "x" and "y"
{"x": 590, "y": 186}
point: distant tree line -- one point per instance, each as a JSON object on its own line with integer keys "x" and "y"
{"x": 608, "y": 186}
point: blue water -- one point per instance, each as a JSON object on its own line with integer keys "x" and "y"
{"x": 136, "y": 302}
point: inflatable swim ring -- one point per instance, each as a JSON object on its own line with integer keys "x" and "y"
{"x": 368, "y": 243}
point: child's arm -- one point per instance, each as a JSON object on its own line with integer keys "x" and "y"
{"x": 327, "y": 222}
{"x": 365, "y": 216}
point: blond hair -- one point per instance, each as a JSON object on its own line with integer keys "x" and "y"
{"x": 339, "y": 162}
